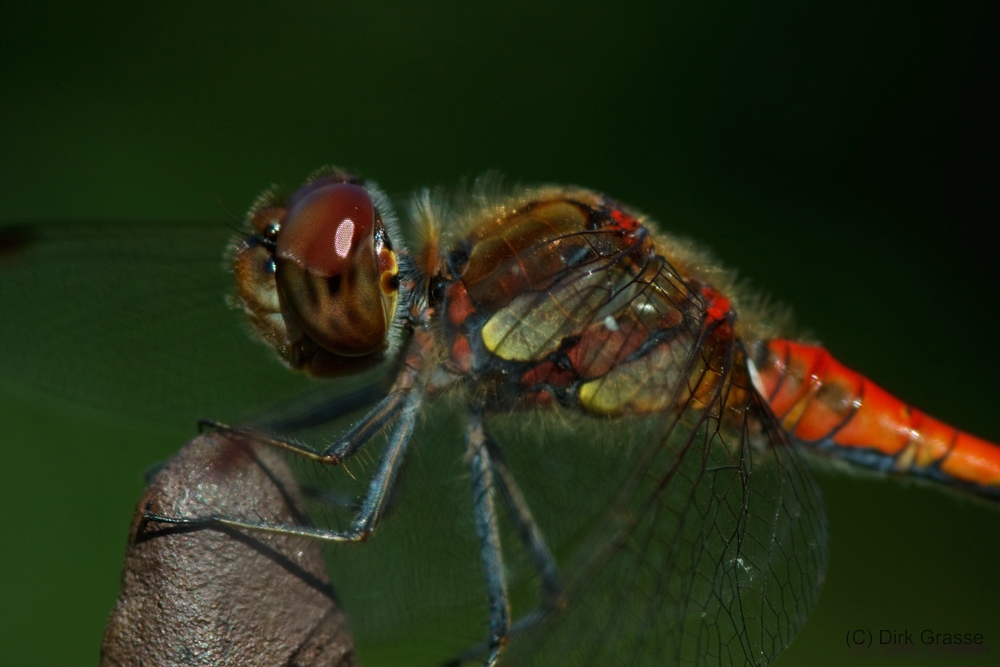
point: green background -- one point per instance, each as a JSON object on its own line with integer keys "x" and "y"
{"x": 842, "y": 157}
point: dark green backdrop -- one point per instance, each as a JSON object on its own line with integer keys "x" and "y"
{"x": 841, "y": 156}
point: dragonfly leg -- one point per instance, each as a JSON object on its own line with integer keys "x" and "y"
{"x": 325, "y": 411}
{"x": 488, "y": 530}
{"x": 371, "y": 510}
{"x": 526, "y": 621}
{"x": 553, "y": 596}
{"x": 343, "y": 448}
{"x": 316, "y": 415}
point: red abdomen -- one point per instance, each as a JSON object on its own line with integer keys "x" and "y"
{"x": 826, "y": 406}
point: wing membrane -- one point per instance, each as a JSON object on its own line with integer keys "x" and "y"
{"x": 131, "y": 318}
{"x": 712, "y": 555}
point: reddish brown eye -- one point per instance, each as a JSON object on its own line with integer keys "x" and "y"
{"x": 323, "y": 229}
{"x": 335, "y": 271}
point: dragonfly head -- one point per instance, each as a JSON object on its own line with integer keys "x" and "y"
{"x": 321, "y": 279}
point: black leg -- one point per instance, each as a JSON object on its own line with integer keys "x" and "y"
{"x": 475, "y": 654}
{"x": 385, "y": 477}
{"x": 531, "y": 536}
{"x": 343, "y": 448}
{"x": 489, "y": 540}
{"x": 553, "y": 597}
{"x": 371, "y": 510}
{"x": 298, "y": 419}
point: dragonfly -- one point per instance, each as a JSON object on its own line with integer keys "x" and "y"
{"x": 583, "y": 442}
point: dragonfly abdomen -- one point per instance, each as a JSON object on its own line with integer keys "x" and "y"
{"x": 832, "y": 409}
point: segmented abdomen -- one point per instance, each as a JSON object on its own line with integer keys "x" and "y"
{"x": 828, "y": 407}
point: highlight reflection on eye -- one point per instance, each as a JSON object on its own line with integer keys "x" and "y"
{"x": 342, "y": 242}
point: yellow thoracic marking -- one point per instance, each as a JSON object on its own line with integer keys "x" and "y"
{"x": 533, "y": 325}
{"x": 597, "y": 398}
{"x": 642, "y": 386}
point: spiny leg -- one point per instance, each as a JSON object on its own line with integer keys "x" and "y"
{"x": 343, "y": 448}
{"x": 488, "y": 531}
{"x": 374, "y": 505}
{"x": 371, "y": 510}
{"x": 553, "y": 597}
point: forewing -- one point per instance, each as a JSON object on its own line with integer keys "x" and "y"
{"x": 132, "y": 318}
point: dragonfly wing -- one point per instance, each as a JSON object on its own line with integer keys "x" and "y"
{"x": 697, "y": 540}
{"x": 133, "y": 319}
{"x": 711, "y": 552}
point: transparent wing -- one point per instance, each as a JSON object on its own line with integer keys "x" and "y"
{"x": 710, "y": 550}
{"x": 132, "y": 318}
{"x": 704, "y": 546}
{"x": 414, "y": 592}
{"x": 696, "y": 537}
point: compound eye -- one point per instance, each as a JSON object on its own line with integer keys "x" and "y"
{"x": 335, "y": 268}
{"x": 327, "y": 229}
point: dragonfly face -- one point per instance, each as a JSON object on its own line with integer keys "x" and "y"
{"x": 661, "y": 511}
{"x": 319, "y": 278}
